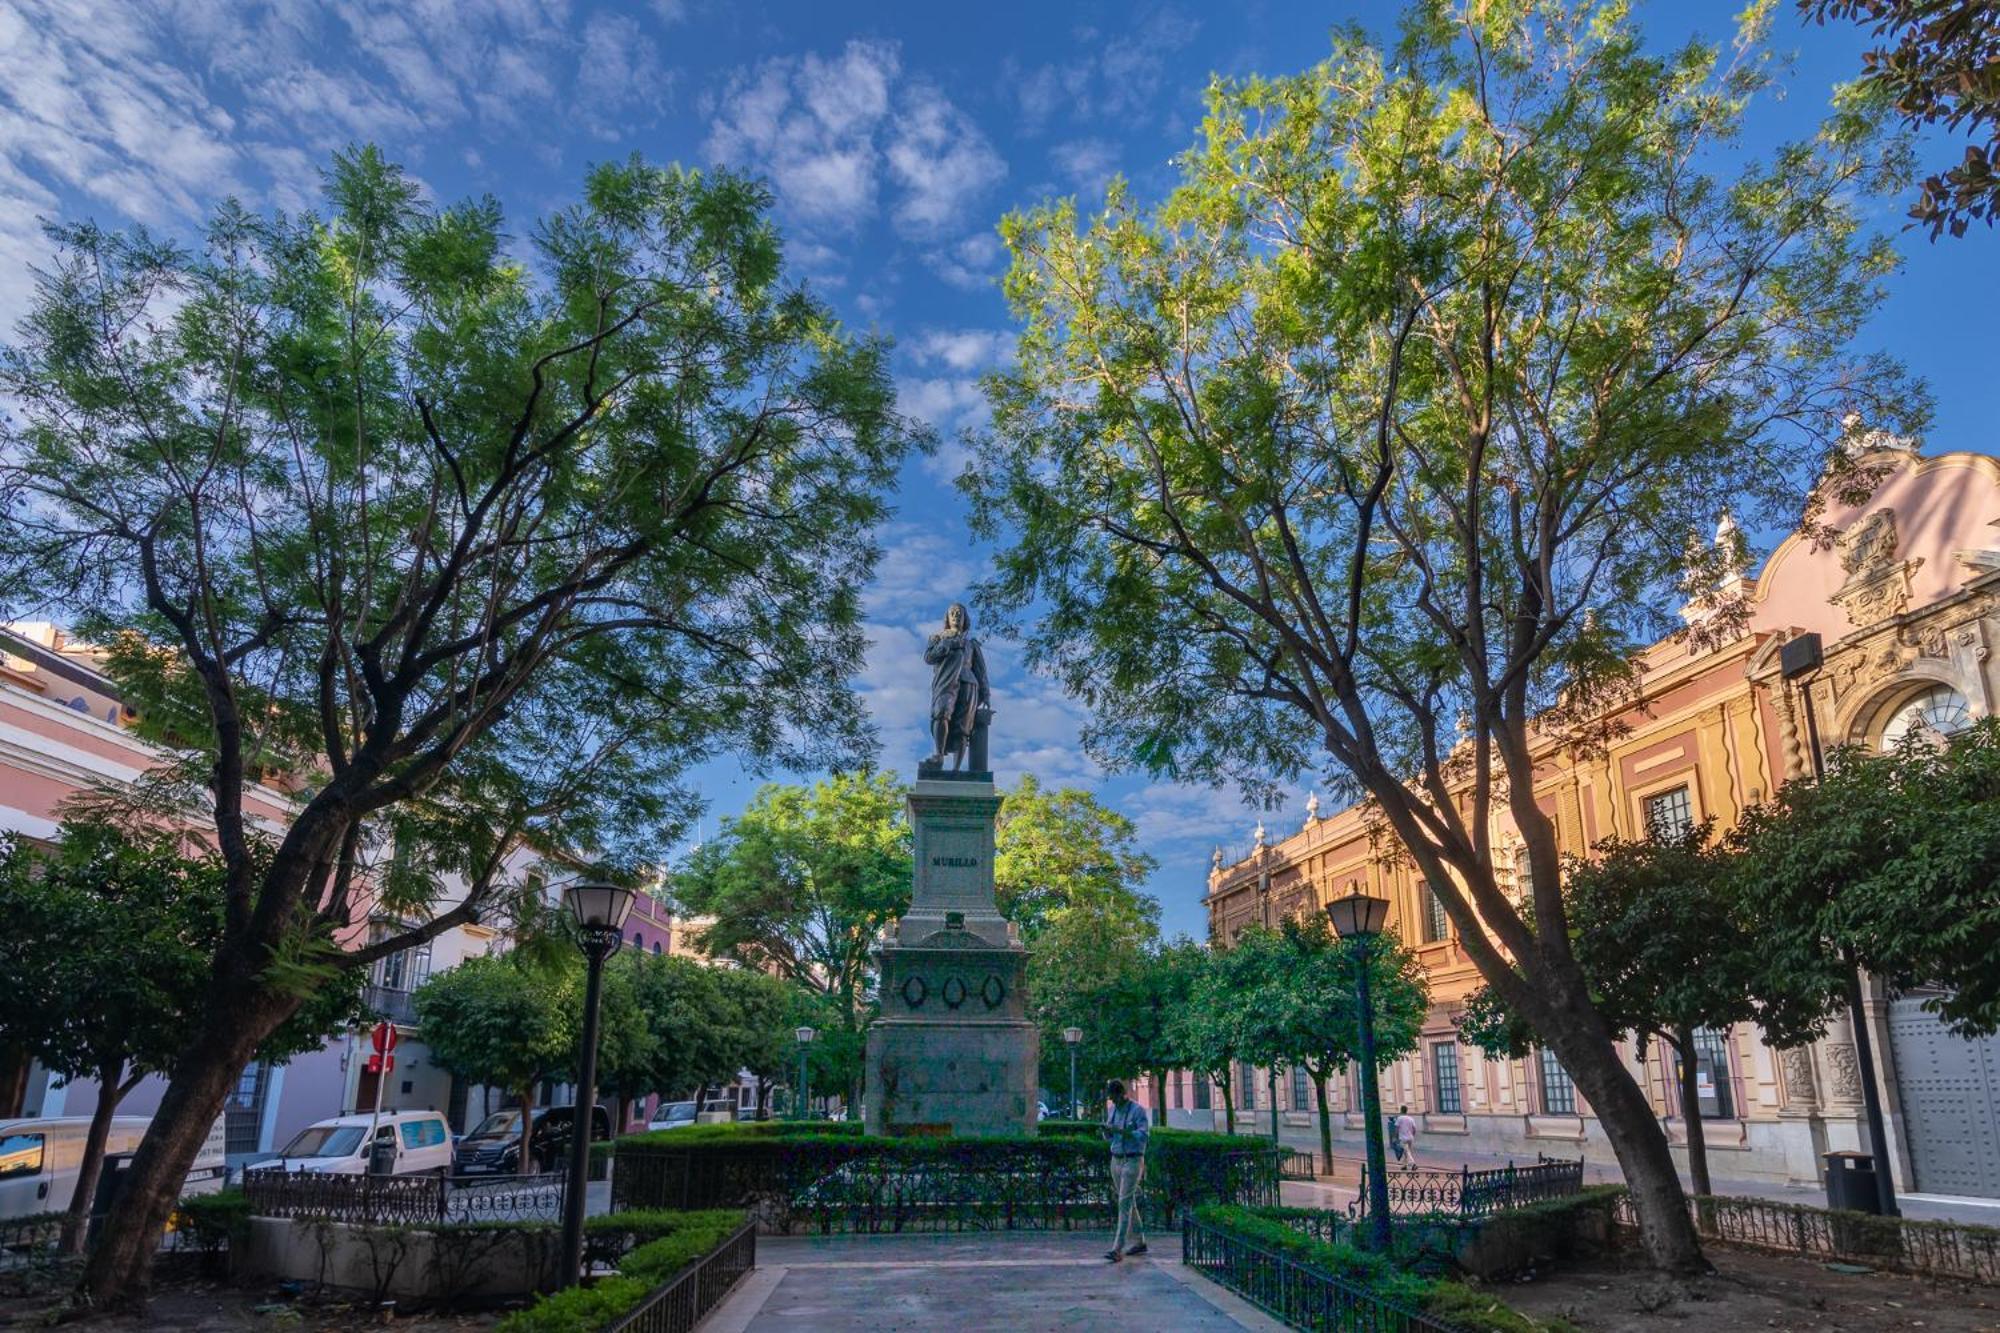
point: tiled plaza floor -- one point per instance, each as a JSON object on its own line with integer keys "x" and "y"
{"x": 1021, "y": 1282}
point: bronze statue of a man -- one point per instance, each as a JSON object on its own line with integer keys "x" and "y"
{"x": 960, "y": 697}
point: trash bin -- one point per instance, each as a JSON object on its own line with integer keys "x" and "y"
{"x": 110, "y": 1181}
{"x": 1850, "y": 1182}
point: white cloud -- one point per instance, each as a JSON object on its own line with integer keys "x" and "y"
{"x": 941, "y": 160}
{"x": 1088, "y": 164}
{"x": 969, "y": 264}
{"x": 963, "y": 350}
{"x": 827, "y": 130}
{"x": 1116, "y": 79}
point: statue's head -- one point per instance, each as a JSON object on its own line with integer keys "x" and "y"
{"x": 957, "y": 620}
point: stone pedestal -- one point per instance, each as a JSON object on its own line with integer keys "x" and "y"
{"x": 953, "y": 1050}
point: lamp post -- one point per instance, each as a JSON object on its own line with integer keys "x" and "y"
{"x": 1071, "y": 1038}
{"x": 1799, "y": 659}
{"x": 1360, "y": 918}
{"x": 804, "y": 1035}
{"x": 600, "y": 911}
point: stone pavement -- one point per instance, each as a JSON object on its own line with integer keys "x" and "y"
{"x": 1017, "y": 1281}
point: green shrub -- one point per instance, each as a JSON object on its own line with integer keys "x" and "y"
{"x": 657, "y": 1260}
{"x": 609, "y": 1236}
{"x": 578, "y": 1309}
{"x": 214, "y": 1221}
{"x": 1383, "y": 1275}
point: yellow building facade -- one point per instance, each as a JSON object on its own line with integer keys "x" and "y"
{"x": 1906, "y": 601}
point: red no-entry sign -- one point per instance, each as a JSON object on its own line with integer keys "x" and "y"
{"x": 383, "y": 1038}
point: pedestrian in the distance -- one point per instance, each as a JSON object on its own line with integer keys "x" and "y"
{"x": 1406, "y": 1138}
{"x": 1126, "y": 1127}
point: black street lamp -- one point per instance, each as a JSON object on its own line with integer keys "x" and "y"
{"x": 1071, "y": 1038}
{"x": 804, "y": 1035}
{"x": 1360, "y": 918}
{"x": 1799, "y": 659}
{"x": 600, "y": 911}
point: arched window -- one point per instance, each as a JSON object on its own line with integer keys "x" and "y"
{"x": 1940, "y": 709}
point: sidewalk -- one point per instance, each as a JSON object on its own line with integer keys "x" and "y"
{"x": 1344, "y": 1186}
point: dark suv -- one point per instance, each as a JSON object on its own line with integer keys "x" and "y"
{"x": 493, "y": 1148}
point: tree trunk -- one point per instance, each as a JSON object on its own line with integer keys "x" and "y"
{"x": 1666, "y": 1232}
{"x": 1697, "y": 1146}
{"x": 14, "y": 1062}
{"x": 239, "y": 1019}
{"x": 1159, "y": 1080}
{"x": 1228, "y": 1105}
{"x": 77, "y": 1219}
{"x": 1325, "y": 1121}
{"x": 526, "y": 1166}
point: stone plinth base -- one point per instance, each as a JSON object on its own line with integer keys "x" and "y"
{"x": 952, "y": 1077}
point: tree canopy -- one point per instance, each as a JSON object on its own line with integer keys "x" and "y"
{"x": 1406, "y": 408}
{"x": 376, "y": 508}
{"x": 1940, "y": 64}
{"x": 1893, "y": 860}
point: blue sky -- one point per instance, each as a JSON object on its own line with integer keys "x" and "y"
{"x": 895, "y": 134}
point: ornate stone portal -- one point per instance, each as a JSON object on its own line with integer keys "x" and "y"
{"x": 953, "y": 1050}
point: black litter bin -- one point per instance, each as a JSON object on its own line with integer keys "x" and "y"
{"x": 110, "y": 1182}
{"x": 1850, "y": 1182}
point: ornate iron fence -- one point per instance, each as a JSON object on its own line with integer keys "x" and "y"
{"x": 1931, "y": 1249}
{"x": 26, "y": 1238}
{"x": 1468, "y": 1193}
{"x": 877, "y": 1185}
{"x": 680, "y": 1303}
{"x": 408, "y": 1200}
{"x": 1300, "y": 1294}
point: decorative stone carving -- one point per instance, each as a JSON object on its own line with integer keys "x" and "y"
{"x": 1799, "y": 1085}
{"x": 1846, "y": 1071}
{"x": 1878, "y": 584}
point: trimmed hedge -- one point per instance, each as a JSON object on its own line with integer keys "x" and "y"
{"x": 1455, "y": 1302}
{"x": 832, "y": 1177}
{"x": 662, "y": 1243}
{"x": 214, "y": 1221}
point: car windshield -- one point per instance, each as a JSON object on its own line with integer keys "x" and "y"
{"x": 498, "y": 1125}
{"x": 325, "y": 1141}
{"x": 675, "y": 1111}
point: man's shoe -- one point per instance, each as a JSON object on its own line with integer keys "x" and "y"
{"x": 1140, "y": 1248}
{"x": 1114, "y": 1256}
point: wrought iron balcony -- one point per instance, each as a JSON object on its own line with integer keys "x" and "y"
{"x": 398, "y": 1006}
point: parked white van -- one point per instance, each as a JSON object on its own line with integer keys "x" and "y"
{"x": 39, "y": 1159}
{"x": 340, "y": 1146}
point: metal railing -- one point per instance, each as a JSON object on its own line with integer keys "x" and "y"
{"x": 398, "y": 1006}
{"x": 885, "y": 1185}
{"x": 1300, "y": 1294}
{"x": 407, "y": 1200}
{"x": 1299, "y": 1166}
{"x": 677, "y": 1305}
{"x": 1469, "y": 1193}
{"x": 1931, "y": 1249}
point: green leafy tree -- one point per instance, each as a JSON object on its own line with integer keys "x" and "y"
{"x": 106, "y": 952}
{"x": 1400, "y": 412}
{"x": 1202, "y": 1034}
{"x": 1295, "y": 1002}
{"x": 504, "y": 1022}
{"x": 373, "y": 504}
{"x": 1674, "y": 939}
{"x": 1080, "y": 962}
{"x": 1888, "y": 862}
{"x": 1940, "y": 65}
{"x": 756, "y": 1024}
{"x": 802, "y": 883}
{"x": 1062, "y": 851}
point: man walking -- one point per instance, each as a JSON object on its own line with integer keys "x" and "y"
{"x": 1126, "y": 1128}
{"x": 1406, "y": 1138}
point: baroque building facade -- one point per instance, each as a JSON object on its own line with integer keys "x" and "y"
{"x": 1906, "y": 601}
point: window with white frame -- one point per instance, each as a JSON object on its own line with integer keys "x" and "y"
{"x": 1447, "y": 1098}
{"x": 1301, "y": 1089}
{"x": 1436, "y": 925}
{"x": 1669, "y": 814}
{"x": 1558, "y": 1092}
{"x": 1939, "y": 709}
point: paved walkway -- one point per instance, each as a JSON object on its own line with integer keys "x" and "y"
{"x": 1020, "y": 1281}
